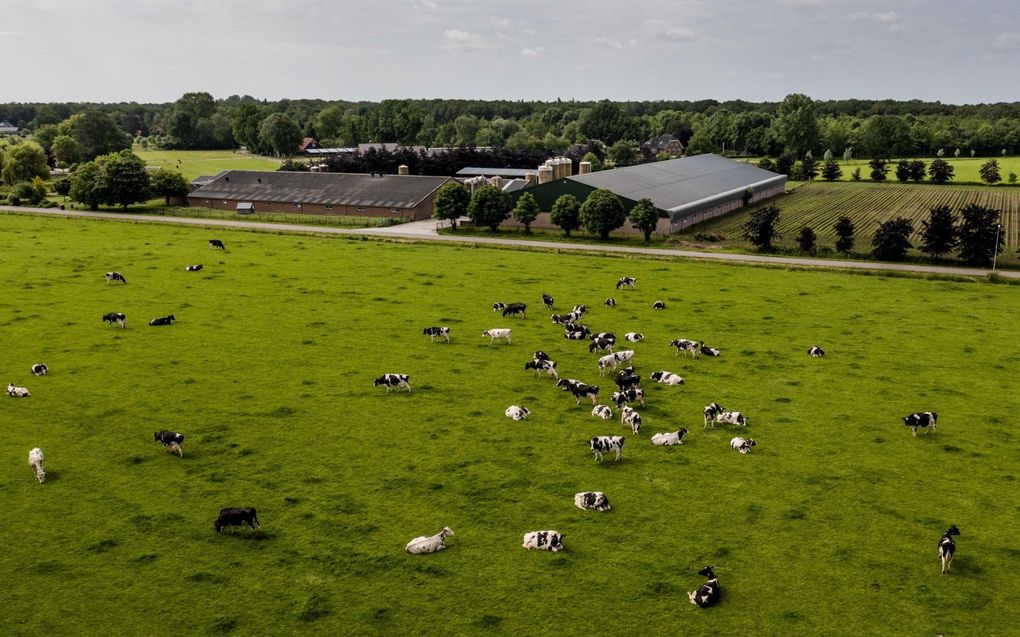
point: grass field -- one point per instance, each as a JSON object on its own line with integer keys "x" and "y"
{"x": 820, "y": 204}
{"x": 193, "y": 163}
{"x": 828, "y": 527}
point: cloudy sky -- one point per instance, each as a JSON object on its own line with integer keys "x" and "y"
{"x": 956, "y": 51}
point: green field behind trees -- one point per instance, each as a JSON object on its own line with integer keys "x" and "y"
{"x": 829, "y": 527}
{"x": 193, "y": 163}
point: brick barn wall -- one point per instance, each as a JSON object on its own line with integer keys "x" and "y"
{"x": 422, "y": 211}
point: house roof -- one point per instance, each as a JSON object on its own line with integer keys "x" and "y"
{"x": 331, "y": 151}
{"x": 7, "y": 127}
{"x": 473, "y": 171}
{"x": 202, "y": 180}
{"x": 345, "y": 189}
{"x": 662, "y": 141}
{"x": 308, "y": 142}
{"x": 683, "y": 185}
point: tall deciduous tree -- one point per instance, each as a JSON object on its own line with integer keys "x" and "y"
{"x": 606, "y": 121}
{"x": 624, "y": 152}
{"x": 645, "y": 217}
{"x": 844, "y": 229}
{"x": 245, "y": 122}
{"x": 451, "y": 203}
{"x": 280, "y": 133}
{"x": 831, "y": 170}
{"x": 88, "y": 185}
{"x": 24, "y": 161}
{"x": 489, "y": 206}
{"x": 96, "y": 133}
{"x": 938, "y": 232}
{"x": 169, "y": 183}
{"x": 797, "y": 124}
{"x": 526, "y": 211}
{"x": 892, "y": 239}
{"x": 760, "y": 229}
{"x": 602, "y": 212}
{"x": 566, "y": 213}
{"x": 65, "y": 150}
{"x": 940, "y": 171}
{"x": 979, "y": 227}
{"x": 126, "y": 179}
{"x": 989, "y": 172}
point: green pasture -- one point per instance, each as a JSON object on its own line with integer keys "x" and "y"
{"x": 194, "y": 163}
{"x": 829, "y": 527}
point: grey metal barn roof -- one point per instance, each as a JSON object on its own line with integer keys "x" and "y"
{"x": 344, "y": 189}
{"x": 683, "y": 185}
{"x": 474, "y": 171}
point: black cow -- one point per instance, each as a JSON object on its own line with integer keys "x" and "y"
{"x": 603, "y": 344}
{"x": 498, "y": 307}
{"x": 626, "y": 380}
{"x": 626, "y": 281}
{"x": 540, "y": 356}
{"x": 579, "y": 390}
{"x": 171, "y": 440}
{"x": 659, "y": 305}
{"x": 816, "y": 352}
{"x": 548, "y": 300}
{"x": 193, "y": 268}
{"x": 115, "y": 276}
{"x": 115, "y": 317}
{"x": 40, "y": 369}
{"x": 437, "y": 332}
{"x": 513, "y": 309}
{"x": 216, "y": 243}
{"x": 163, "y": 320}
{"x": 926, "y": 420}
{"x": 710, "y": 351}
{"x": 237, "y": 517}
{"x": 708, "y": 593}
{"x": 610, "y": 302}
{"x": 947, "y": 547}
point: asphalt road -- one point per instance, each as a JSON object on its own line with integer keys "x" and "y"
{"x": 426, "y": 231}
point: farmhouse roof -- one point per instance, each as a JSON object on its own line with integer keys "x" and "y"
{"x": 7, "y": 127}
{"x": 677, "y": 185}
{"x": 345, "y": 189}
{"x": 475, "y": 171}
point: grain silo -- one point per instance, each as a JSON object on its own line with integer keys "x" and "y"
{"x": 584, "y": 168}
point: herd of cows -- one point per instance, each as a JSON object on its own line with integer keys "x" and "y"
{"x": 628, "y": 393}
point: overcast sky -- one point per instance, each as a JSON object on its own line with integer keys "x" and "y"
{"x": 956, "y": 51}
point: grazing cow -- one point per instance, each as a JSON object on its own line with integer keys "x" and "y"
{"x": 585, "y": 391}
{"x": 567, "y": 383}
{"x": 731, "y": 418}
{"x": 544, "y": 540}
{"x": 743, "y": 445}
{"x": 925, "y": 420}
{"x": 540, "y": 365}
{"x": 515, "y": 309}
{"x": 816, "y": 352}
{"x": 35, "y": 460}
{"x": 626, "y": 282}
{"x": 600, "y": 344}
{"x": 604, "y": 444}
{"x": 115, "y": 276}
{"x": 711, "y": 411}
{"x": 171, "y": 441}
{"x": 604, "y": 336}
{"x": 193, "y": 268}
{"x": 708, "y": 593}
{"x": 540, "y": 356}
{"x": 659, "y": 305}
{"x": 437, "y": 332}
{"x": 593, "y": 500}
{"x": 686, "y": 346}
{"x": 216, "y": 243}
{"x": 393, "y": 380}
{"x": 602, "y": 411}
{"x": 574, "y": 336}
{"x": 237, "y": 517}
{"x": 429, "y": 543}
{"x": 666, "y": 378}
{"x": 493, "y": 334}
{"x": 40, "y": 369}
{"x": 579, "y": 310}
{"x": 626, "y": 396}
{"x": 559, "y": 319}
{"x": 947, "y": 545}
{"x": 710, "y": 351}
{"x": 115, "y": 317}
{"x": 630, "y": 417}
{"x": 610, "y": 302}
{"x": 670, "y": 439}
{"x": 163, "y": 320}
{"x": 627, "y": 381}
{"x": 547, "y": 301}
{"x": 498, "y": 307}
{"x": 634, "y": 337}
{"x": 17, "y": 392}
{"x": 610, "y": 361}
{"x": 517, "y": 413}
{"x": 577, "y": 327}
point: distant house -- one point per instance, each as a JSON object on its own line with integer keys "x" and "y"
{"x": 7, "y": 128}
{"x": 389, "y": 146}
{"x": 667, "y": 143}
{"x": 308, "y": 143}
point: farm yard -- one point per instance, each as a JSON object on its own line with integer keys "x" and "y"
{"x": 828, "y": 527}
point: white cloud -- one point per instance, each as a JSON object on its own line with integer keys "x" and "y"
{"x": 1007, "y": 42}
{"x": 457, "y": 40}
{"x": 500, "y": 23}
{"x": 663, "y": 29}
{"x": 11, "y": 34}
{"x": 538, "y": 51}
{"x": 616, "y": 45}
{"x": 888, "y": 18}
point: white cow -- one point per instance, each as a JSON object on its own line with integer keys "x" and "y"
{"x": 35, "y": 460}
{"x": 630, "y": 416}
{"x": 17, "y": 392}
{"x": 731, "y": 418}
{"x": 502, "y": 333}
{"x": 429, "y": 543}
{"x": 670, "y": 439}
{"x": 517, "y": 413}
{"x": 666, "y": 378}
{"x": 743, "y": 445}
{"x": 545, "y": 540}
{"x": 634, "y": 337}
{"x": 602, "y": 411}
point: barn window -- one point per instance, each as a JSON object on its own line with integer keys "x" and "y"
{"x": 329, "y": 207}
{"x": 361, "y": 209}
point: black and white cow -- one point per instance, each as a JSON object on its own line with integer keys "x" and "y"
{"x": 686, "y": 346}
{"x": 115, "y": 276}
{"x": 924, "y": 420}
{"x": 17, "y": 392}
{"x": 560, "y": 319}
{"x": 540, "y": 356}
{"x": 577, "y": 327}
{"x": 115, "y": 317}
{"x": 579, "y": 389}
{"x": 947, "y": 547}
{"x": 601, "y": 445}
{"x": 542, "y": 365}
{"x": 666, "y": 378}
{"x": 627, "y": 379}
{"x": 670, "y": 438}
{"x": 711, "y": 411}
{"x": 605, "y": 336}
{"x": 498, "y": 307}
{"x": 602, "y": 411}
{"x": 816, "y": 352}
{"x": 626, "y": 282}
{"x": 517, "y": 412}
{"x": 574, "y": 336}
{"x": 544, "y": 540}
{"x": 610, "y": 302}
{"x": 629, "y": 417}
{"x": 40, "y": 369}
{"x": 193, "y": 268}
{"x": 593, "y": 500}
{"x": 710, "y": 351}
{"x": 601, "y": 344}
{"x": 708, "y": 593}
{"x": 627, "y": 396}
{"x": 500, "y": 333}
{"x": 659, "y": 305}
{"x": 163, "y": 320}
{"x": 743, "y": 445}
{"x": 389, "y": 381}
{"x": 171, "y": 441}
{"x": 237, "y": 517}
{"x": 516, "y": 309}
{"x": 437, "y": 332}
{"x": 547, "y": 301}
{"x": 634, "y": 337}
{"x": 731, "y": 418}
{"x": 216, "y": 243}
{"x": 579, "y": 310}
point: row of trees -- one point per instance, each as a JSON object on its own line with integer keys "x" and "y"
{"x": 939, "y": 171}
{"x": 600, "y": 213}
{"x": 975, "y": 232}
{"x": 120, "y": 179}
